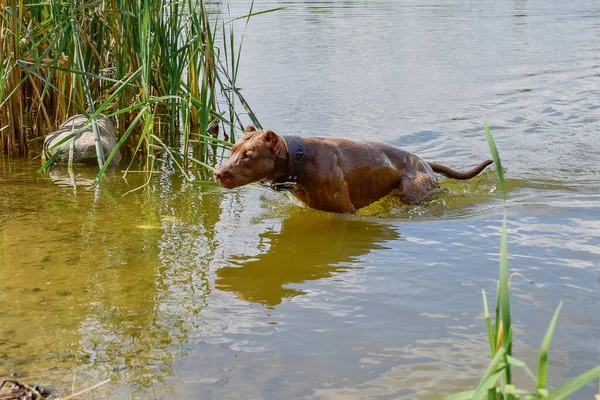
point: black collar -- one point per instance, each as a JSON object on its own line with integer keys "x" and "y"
{"x": 291, "y": 166}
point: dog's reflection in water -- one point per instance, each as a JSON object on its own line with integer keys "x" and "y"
{"x": 310, "y": 246}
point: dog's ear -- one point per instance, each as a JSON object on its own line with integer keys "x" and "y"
{"x": 270, "y": 137}
{"x": 250, "y": 128}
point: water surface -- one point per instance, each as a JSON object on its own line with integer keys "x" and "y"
{"x": 182, "y": 290}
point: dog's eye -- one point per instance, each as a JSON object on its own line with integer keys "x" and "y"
{"x": 246, "y": 155}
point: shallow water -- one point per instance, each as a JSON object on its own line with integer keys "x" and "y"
{"x": 182, "y": 290}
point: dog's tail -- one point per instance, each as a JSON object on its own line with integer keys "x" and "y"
{"x": 450, "y": 173}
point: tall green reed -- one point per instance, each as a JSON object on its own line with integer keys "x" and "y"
{"x": 156, "y": 67}
{"x": 496, "y": 383}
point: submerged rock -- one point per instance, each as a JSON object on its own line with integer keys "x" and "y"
{"x": 84, "y": 150}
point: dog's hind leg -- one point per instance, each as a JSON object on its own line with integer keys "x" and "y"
{"x": 416, "y": 188}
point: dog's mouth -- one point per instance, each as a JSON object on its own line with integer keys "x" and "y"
{"x": 227, "y": 183}
{"x": 227, "y": 180}
{"x": 231, "y": 180}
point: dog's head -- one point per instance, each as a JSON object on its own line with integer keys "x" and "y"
{"x": 252, "y": 159}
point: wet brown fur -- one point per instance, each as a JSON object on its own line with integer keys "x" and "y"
{"x": 338, "y": 175}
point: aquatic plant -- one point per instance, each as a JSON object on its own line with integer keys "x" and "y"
{"x": 153, "y": 66}
{"x": 496, "y": 383}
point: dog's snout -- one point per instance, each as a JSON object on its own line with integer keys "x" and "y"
{"x": 220, "y": 174}
{"x": 217, "y": 174}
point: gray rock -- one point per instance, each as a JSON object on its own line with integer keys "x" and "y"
{"x": 85, "y": 142}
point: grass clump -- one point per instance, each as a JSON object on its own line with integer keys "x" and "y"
{"x": 496, "y": 382}
{"x": 152, "y": 66}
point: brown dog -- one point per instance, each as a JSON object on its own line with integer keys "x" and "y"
{"x": 336, "y": 175}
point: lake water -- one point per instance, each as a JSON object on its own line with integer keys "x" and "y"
{"x": 182, "y": 290}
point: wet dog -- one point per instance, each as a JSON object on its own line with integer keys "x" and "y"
{"x": 336, "y": 175}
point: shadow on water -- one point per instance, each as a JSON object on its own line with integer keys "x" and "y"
{"x": 309, "y": 246}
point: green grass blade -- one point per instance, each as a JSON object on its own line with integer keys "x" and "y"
{"x": 68, "y": 137}
{"x": 79, "y": 60}
{"x": 200, "y": 163}
{"x": 130, "y": 129}
{"x": 504, "y": 289}
{"x": 490, "y": 332}
{"x": 575, "y": 384}
{"x": 171, "y": 153}
{"x": 209, "y": 142}
{"x": 257, "y": 13}
{"x": 466, "y": 395}
{"x": 49, "y": 162}
{"x": 542, "y": 372}
{"x": 235, "y": 67}
{"x": 520, "y": 364}
{"x": 113, "y": 96}
{"x": 490, "y": 372}
{"x": 497, "y": 315}
{"x": 40, "y": 77}
{"x": 495, "y": 157}
{"x": 151, "y": 100}
{"x": 145, "y": 131}
{"x": 13, "y": 91}
{"x": 82, "y": 73}
{"x": 205, "y": 183}
{"x": 240, "y": 97}
{"x": 223, "y": 143}
{"x": 89, "y": 5}
{"x": 246, "y": 106}
{"x": 487, "y": 385}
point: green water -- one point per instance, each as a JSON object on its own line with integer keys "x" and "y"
{"x": 181, "y": 290}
